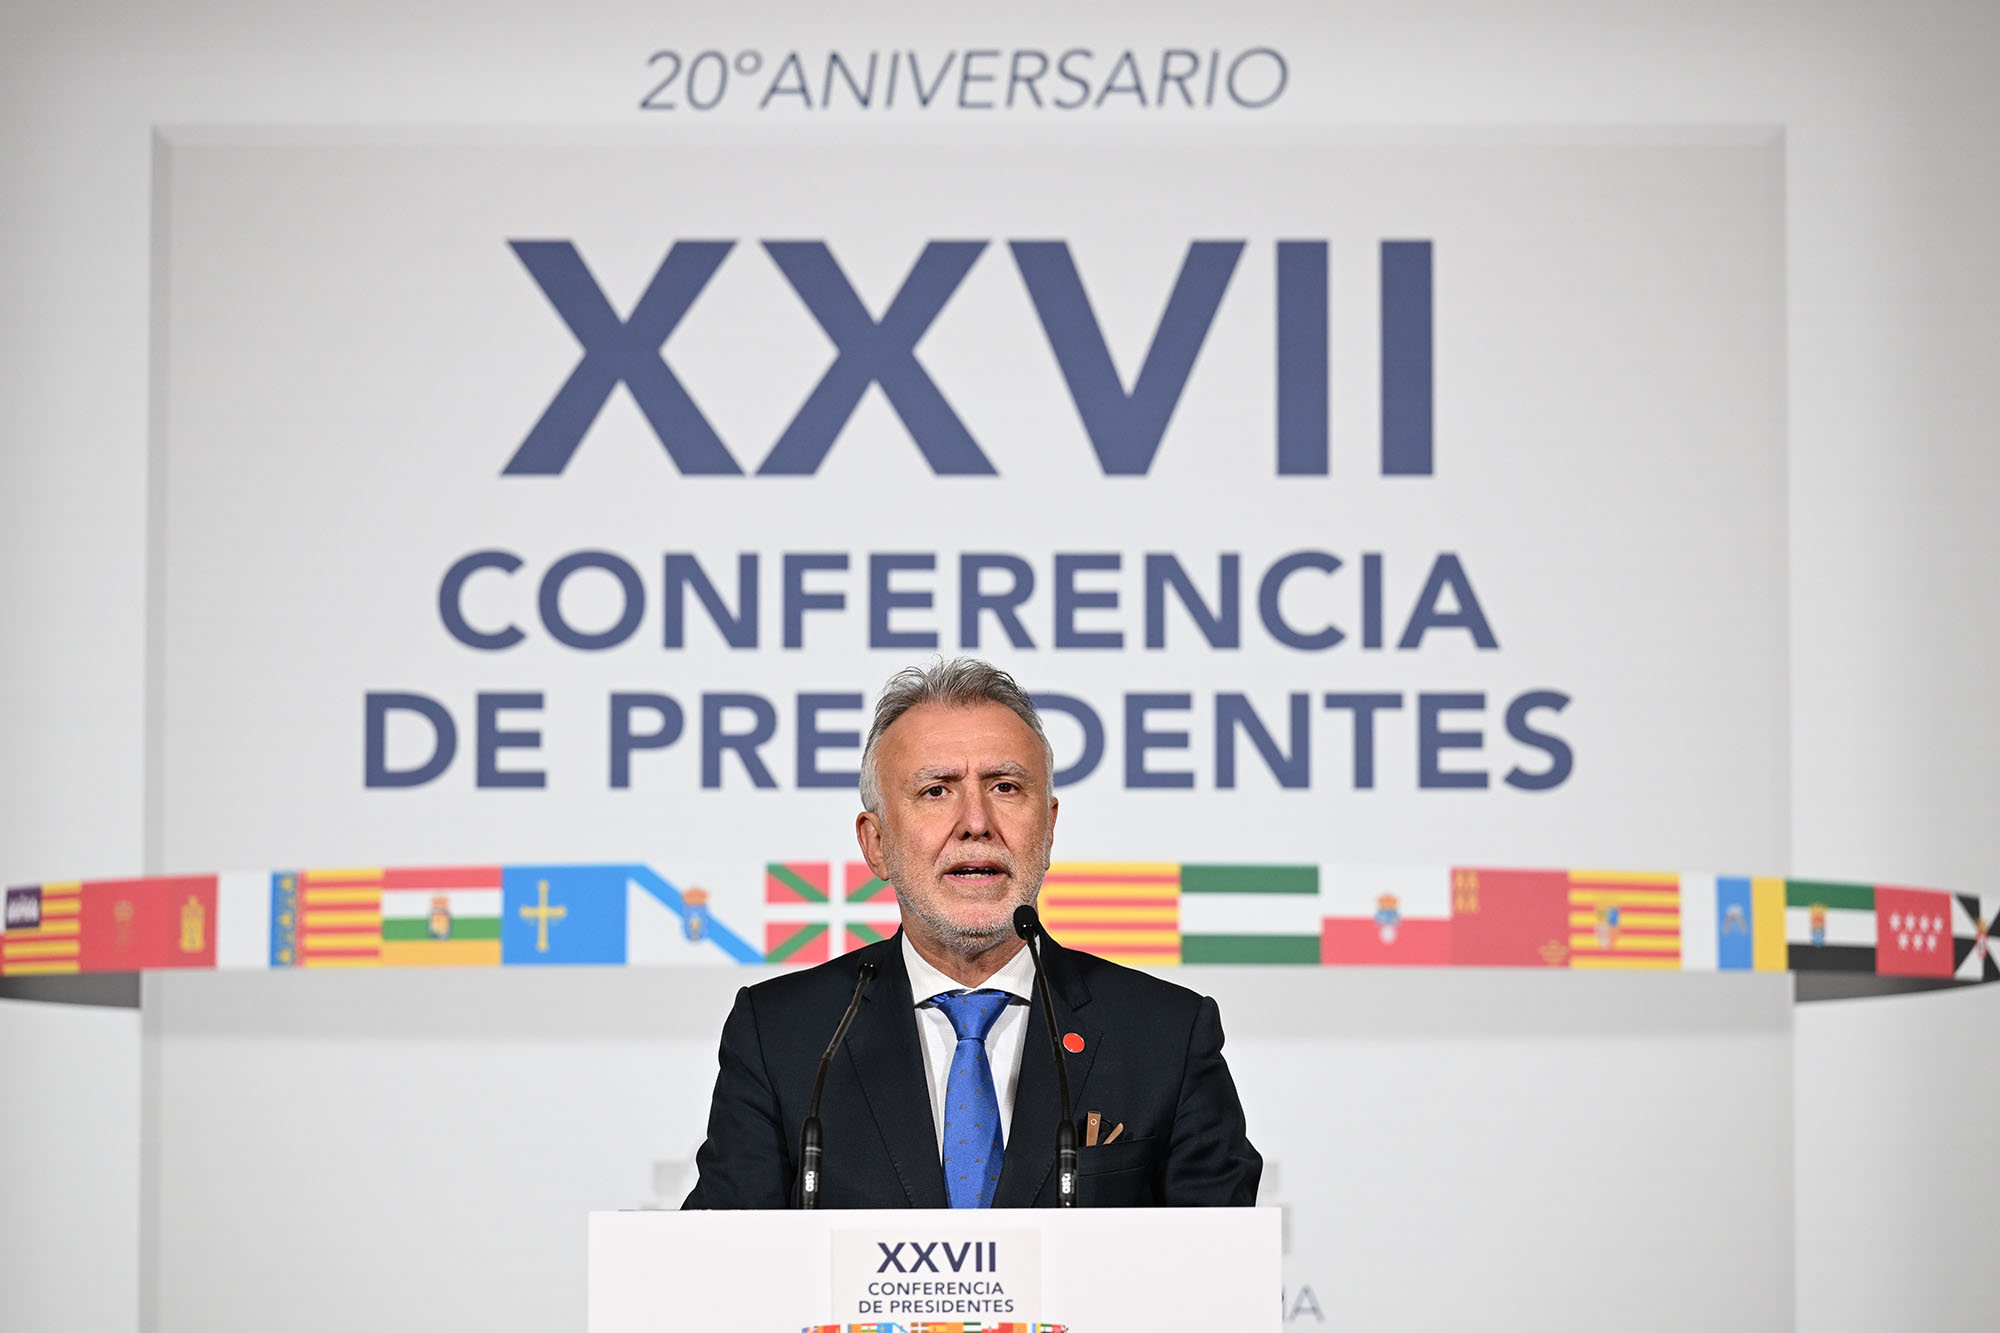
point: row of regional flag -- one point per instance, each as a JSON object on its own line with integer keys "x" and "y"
{"x": 1154, "y": 914}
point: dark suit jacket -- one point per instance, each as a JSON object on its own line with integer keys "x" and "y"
{"x": 1151, "y": 1058}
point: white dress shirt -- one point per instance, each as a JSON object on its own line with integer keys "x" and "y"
{"x": 940, "y": 1040}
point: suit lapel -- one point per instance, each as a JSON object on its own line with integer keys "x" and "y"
{"x": 1031, "y": 1137}
{"x": 887, "y": 1064}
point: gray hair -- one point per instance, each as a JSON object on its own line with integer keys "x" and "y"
{"x": 959, "y": 683}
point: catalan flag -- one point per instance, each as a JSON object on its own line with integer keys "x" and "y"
{"x": 1128, "y": 912}
{"x": 446, "y": 917}
{"x": 1624, "y": 919}
{"x": 44, "y": 930}
{"x": 1250, "y": 914}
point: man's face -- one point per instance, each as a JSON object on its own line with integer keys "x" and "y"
{"x": 966, "y": 822}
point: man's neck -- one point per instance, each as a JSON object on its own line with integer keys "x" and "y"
{"x": 968, "y": 970}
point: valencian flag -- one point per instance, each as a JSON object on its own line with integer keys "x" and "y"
{"x": 1386, "y": 916}
{"x": 562, "y": 914}
{"x": 798, "y": 910}
{"x": 1913, "y": 933}
{"x": 1128, "y": 912}
{"x": 339, "y": 917}
{"x": 1829, "y": 927}
{"x": 1510, "y": 918}
{"x": 872, "y": 913}
{"x": 133, "y": 924}
{"x": 1249, "y": 914}
{"x": 444, "y": 917}
{"x": 1624, "y": 919}
{"x": 43, "y": 930}
{"x": 1971, "y": 937}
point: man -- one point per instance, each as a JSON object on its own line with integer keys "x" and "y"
{"x": 945, "y": 1091}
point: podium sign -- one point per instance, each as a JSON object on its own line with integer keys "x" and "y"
{"x": 1099, "y": 1270}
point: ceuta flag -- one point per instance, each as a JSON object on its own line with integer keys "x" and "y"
{"x": 1912, "y": 933}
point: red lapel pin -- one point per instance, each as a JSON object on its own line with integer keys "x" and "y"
{"x": 1072, "y": 1043}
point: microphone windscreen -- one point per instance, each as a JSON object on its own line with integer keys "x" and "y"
{"x": 1027, "y": 923}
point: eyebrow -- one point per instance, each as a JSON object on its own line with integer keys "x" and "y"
{"x": 930, "y": 773}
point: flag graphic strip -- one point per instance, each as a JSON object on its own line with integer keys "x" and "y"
{"x": 1510, "y": 918}
{"x": 1125, "y": 911}
{"x": 692, "y": 904}
{"x": 243, "y": 920}
{"x": 132, "y": 925}
{"x": 1734, "y": 922}
{"x": 1385, "y": 916}
{"x": 1624, "y": 919}
{"x": 44, "y": 930}
{"x": 1699, "y": 922}
{"x": 562, "y": 914}
{"x": 1829, "y": 927}
{"x": 1972, "y": 942}
{"x": 340, "y": 918}
{"x": 862, "y": 886}
{"x": 442, "y": 916}
{"x": 1913, "y": 936}
{"x": 1250, "y": 914}
{"x": 797, "y": 882}
{"x": 1767, "y": 924}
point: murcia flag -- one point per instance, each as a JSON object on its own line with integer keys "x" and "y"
{"x": 1510, "y": 918}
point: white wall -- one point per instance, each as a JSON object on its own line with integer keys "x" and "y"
{"x": 69, "y": 1167}
{"x": 1895, "y": 299}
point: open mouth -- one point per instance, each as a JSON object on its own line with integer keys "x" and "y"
{"x": 975, "y": 872}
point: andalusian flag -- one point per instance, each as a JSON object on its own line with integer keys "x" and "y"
{"x": 1127, "y": 911}
{"x": 1250, "y": 914}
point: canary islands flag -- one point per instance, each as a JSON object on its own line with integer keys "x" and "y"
{"x": 562, "y": 914}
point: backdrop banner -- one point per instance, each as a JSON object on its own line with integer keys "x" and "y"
{"x": 529, "y": 497}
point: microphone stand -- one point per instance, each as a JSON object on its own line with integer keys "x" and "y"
{"x": 1028, "y": 925}
{"x": 809, "y": 1135}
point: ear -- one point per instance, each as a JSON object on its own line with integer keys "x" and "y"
{"x": 1054, "y": 806}
{"x": 868, "y": 833}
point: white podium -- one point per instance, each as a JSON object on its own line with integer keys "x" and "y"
{"x": 1104, "y": 1270}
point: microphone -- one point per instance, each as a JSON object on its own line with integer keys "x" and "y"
{"x": 1028, "y": 925}
{"x": 809, "y": 1134}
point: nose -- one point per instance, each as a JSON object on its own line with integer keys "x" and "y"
{"x": 974, "y": 819}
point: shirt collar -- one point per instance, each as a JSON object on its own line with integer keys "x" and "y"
{"x": 1016, "y": 977}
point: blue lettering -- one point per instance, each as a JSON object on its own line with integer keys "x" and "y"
{"x": 1447, "y": 572}
{"x": 1222, "y": 627}
{"x": 715, "y": 738}
{"x": 1292, "y": 768}
{"x": 882, "y": 354}
{"x": 1070, "y": 599}
{"x": 974, "y": 599}
{"x": 1125, "y": 429}
{"x": 1364, "y": 706}
{"x": 452, "y": 591}
{"x": 1406, "y": 358}
{"x": 624, "y": 740}
{"x": 621, "y": 352}
{"x": 798, "y": 601}
{"x": 1302, "y": 359}
{"x": 1433, "y": 740}
{"x": 1271, "y": 590}
{"x": 1138, "y": 740}
{"x": 882, "y": 599}
{"x": 1561, "y": 760}
{"x": 1093, "y": 735}
{"x": 492, "y": 740}
{"x": 811, "y": 740}
{"x": 628, "y": 583}
{"x": 684, "y": 571}
{"x": 444, "y": 739}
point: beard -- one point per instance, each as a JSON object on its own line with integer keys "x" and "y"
{"x": 932, "y": 904}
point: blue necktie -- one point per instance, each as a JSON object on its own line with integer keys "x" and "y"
{"x": 971, "y": 1103}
